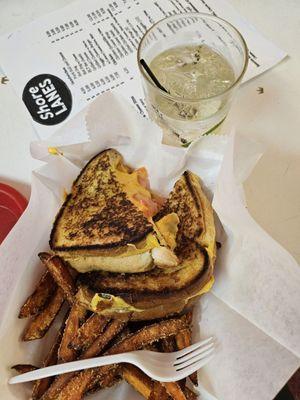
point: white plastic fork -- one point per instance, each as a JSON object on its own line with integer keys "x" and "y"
{"x": 164, "y": 367}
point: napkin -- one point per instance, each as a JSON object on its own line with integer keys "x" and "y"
{"x": 253, "y": 308}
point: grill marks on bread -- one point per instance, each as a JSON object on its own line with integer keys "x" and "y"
{"x": 98, "y": 213}
{"x": 183, "y": 200}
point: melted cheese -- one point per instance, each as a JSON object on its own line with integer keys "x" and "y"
{"x": 167, "y": 227}
{"x": 111, "y": 304}
{"x": 133, "y": 187}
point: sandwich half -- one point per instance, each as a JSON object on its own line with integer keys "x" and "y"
{"x": 106, "y": 221}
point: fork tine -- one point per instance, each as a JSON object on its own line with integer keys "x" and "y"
{"x": 187, "y": 350}
{"x": 193, "y": 354}
{"x": 193, "y": 367}
{"x": 194, "y": 360}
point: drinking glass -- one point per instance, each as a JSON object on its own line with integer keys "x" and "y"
{"x": 185, "y": 118}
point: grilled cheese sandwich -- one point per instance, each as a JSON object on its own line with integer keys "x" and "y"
{"x": 187, "y": 215}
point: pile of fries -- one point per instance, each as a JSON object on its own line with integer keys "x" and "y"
{"x": 84, "y": 335}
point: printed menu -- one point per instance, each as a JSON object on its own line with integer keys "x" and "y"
{"x": 65, "y": 59}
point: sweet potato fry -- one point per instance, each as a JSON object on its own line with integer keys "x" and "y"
{"x": 39, "y": 298}
{"x": 110, "y": 379}
{"x": 189, "y": 394}
{"x": 40, "y": 324}
{"x": 174, "y": 390}
{"x": 184, "y": 339}
{"x": 148, "y": 388}
{"x": 188, "y": 318}
{"x": 111, "y": 331}
{"x": 124, "y": 333}
{"x": 41, "y": 385}
{"x": 73, "y": 322}
{"x": 22, "y": 368}
{"x": 77, "y": 386}
{"x": 57, "y": 385}
{"x": 158, "y": 392}
{"x": 84, "y": 382}
{"x": 136, "y": 378}
{"x": 61, "y": 274}
{"x": 95, "y": 349}
{"x": 167, "y": 345}
{"x": 88, "y": 332}
{"x": 148, "y": 335}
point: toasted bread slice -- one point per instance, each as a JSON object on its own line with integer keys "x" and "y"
{"x": 98, "y": 213}
{"x": 102, "y": 224}
{"x": 158, "y": 293}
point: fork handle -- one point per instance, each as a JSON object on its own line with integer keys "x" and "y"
{"x": 71, "y": 367}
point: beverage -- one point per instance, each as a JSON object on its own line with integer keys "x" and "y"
{"x": 192, "y": 72}
{"x": 198, "y": 59}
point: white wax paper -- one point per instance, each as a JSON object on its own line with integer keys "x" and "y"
{"x": 253, "y": 309}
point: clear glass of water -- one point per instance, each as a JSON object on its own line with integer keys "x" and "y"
{"x": 199, "y": 61}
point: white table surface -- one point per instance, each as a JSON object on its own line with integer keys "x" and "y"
{"x": 272, "y": 118}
